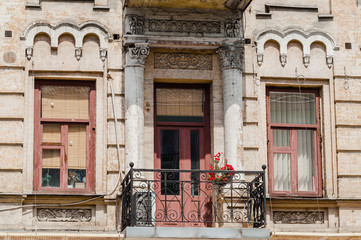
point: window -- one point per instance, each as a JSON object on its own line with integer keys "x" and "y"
{"x": 293, "y": 142}
{"x": 64, "y": 136}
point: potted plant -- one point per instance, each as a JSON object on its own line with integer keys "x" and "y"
{"x": 220, "y": 163}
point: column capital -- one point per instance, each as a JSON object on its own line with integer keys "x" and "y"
{"x": 230, "y": 55}
{"x": 137, "y": 54}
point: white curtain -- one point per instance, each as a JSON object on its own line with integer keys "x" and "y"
{"x": 293, "y": 108}
{"x": 305, "y": 159}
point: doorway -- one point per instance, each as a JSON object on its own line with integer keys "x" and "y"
{"x": 182, "y": 145}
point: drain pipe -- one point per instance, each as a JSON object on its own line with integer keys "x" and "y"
{"x": 110, "y": 80}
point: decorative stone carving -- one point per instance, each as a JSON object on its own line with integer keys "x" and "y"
{"x": 259, "y": 59}
{"x": 78, "y": 53}
{"x": 160, "y": 25}
{"x": 64, "y": 215}
{"x": 136, "y": 24}
{"x": 139, "y": 53}
{"x": 329, "y": 60}
{"x": 283, "y": 59}
{"x": 103, "y": 54}
{"x": 232, "y": 28}
{"x": 179, "y": 60}
{"x": 29, "y": 52}
{"x": 305, "y": 38}
{"x": 299, "y": 217}
{"x": 306, "y": 60}
{"x": 230, "y": 56}
{"x": 79, "y": 32}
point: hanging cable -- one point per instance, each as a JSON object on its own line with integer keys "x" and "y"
{"x": 346, "y": 84}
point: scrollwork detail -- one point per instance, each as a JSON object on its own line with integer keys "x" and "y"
{"x": 185, "y": 61}
{"x": 64, "y": 215}
{"x": 298, "y": 217}
{"x": 232, "y": 28}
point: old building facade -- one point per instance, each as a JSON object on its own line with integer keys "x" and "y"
{"x": 91, "y": 90}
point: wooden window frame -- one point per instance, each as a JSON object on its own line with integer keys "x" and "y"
{"x": 204, "y": 126}
{"x": 64, "y": 123}
{"x": 292, "y": 149}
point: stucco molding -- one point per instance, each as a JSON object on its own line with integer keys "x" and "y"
{"x": 304, "y": 38}
{"x": 64, "y": 215}
{"x": 182, "y": 60}
{"x": 135, "y": 24}
{"x": 54, "y": 31}
{"x": 298, "y": 217}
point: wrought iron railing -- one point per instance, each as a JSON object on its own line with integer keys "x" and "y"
{"x": 166, "y": 197}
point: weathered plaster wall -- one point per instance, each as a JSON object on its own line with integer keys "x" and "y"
{"x": 49, "y": 61}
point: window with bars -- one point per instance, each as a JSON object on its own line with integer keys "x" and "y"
{"x": 293, "y": 142}
{"x": 64, "y": 136}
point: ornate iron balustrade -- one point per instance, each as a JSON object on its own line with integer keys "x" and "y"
{"x": 161, "y": 197}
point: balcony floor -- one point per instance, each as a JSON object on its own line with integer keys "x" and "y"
{"x": 195, "y": 233}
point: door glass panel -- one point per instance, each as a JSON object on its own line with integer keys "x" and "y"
{"x": 294, "y": 108}
{"x": 50, "y": 168}
{"x": 180, "y": 105}
{"x": 76, "y": 156}
{"x": 282, "y": 171}
{"x": 170, "y": 160}
{"x": 281, "y": 138}
{"x": 65, "y": 102}
{"x": 195, "y": 163}
{"x": 305, "y": 160}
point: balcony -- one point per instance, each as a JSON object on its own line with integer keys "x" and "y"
{"x": 188, "y": 198}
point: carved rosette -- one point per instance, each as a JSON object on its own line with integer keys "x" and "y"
{"x": 64, "y": 215}
{"x": 298, "y": 217}
{"x": 232, "y": 28}
{"x": 138, "y": 53}
{"x": 230, "y": 56}
{"x": 185, "y": 61}
{"x": 136, "y": 24}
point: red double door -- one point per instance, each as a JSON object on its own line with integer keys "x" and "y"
{"x": 182, "y": 197}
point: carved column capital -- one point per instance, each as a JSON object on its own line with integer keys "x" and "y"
{"x": 137, "y": 54}
{"x": 230, "y": 56}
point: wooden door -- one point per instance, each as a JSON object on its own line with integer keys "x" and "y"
{"x": 181, "y": 197}
{"x": 182, "y": 144}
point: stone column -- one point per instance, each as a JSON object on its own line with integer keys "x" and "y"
{"x": 230, "y": 56}
{"x": 134, "y": 104}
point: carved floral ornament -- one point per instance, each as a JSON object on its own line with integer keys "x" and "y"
{"x": 64, "y": 215}
{"x": 139, "y": 25}
{"x": 305, "y": 39}
{"x": 298, "y": 217}
{"x": 54, "y": 31}
{"x": 182, "y": 60}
